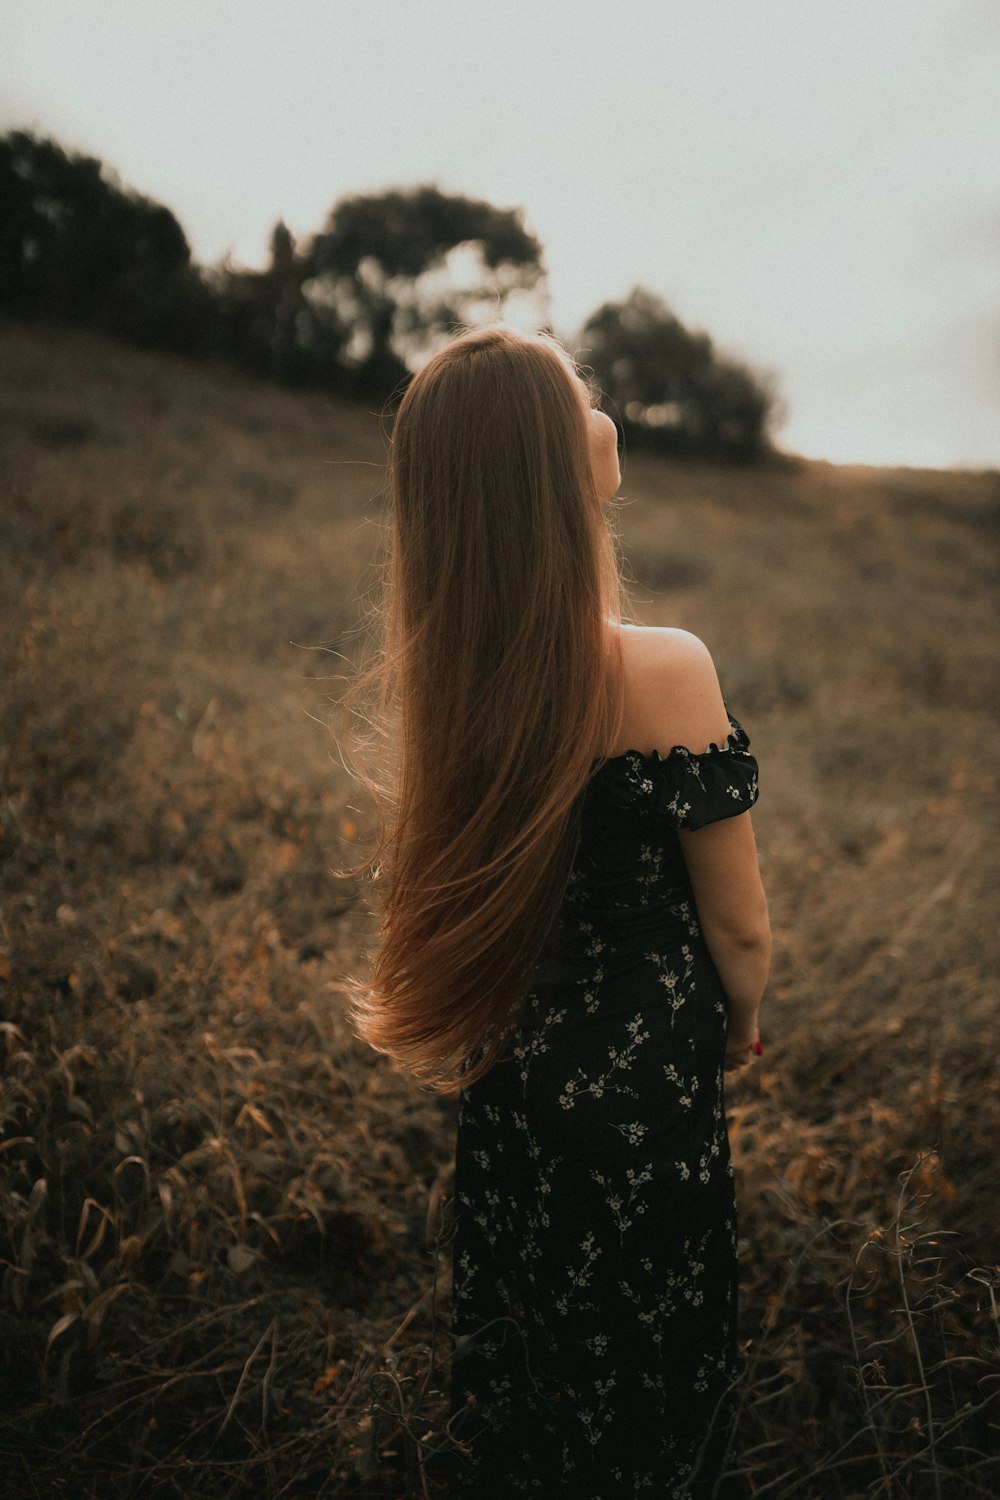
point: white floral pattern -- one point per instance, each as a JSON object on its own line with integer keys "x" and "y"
{"x": 594, "y": 1297}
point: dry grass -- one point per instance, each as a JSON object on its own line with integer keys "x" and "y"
{"x": 219, "y": 1214}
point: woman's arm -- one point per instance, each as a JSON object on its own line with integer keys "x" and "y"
{"x": 732, "y": 911}
{"x": 672, "y": 697}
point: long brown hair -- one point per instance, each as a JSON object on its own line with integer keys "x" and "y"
{"x": 494, "y": 689}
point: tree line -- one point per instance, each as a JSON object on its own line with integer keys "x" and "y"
{"x": 354, "y": 308}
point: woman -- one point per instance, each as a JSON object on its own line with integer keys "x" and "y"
{"x": 574, "y": 935}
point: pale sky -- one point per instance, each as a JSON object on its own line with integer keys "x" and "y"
{"x": 814, "y": 182}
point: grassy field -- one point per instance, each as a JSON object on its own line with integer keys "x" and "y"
{"x": 221, "y": 1219}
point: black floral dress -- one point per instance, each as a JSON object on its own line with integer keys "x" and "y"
{"x": 594, "y": 1303}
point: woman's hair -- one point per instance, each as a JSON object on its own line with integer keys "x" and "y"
{"x": 494, "y": 693}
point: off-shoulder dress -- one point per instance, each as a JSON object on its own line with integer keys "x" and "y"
{"x": 595, "y": 1263}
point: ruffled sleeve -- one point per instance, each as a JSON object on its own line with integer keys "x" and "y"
{"x": 689, "y": 789}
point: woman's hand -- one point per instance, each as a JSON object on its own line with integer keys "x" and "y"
{"x": 740, "y": 1053}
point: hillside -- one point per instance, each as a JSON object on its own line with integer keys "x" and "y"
{"x": 218, "y": 1212}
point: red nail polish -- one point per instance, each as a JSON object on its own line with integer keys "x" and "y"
{"x": 758, "y": 1049}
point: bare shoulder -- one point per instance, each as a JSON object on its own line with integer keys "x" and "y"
{"x": 671, "y": 693}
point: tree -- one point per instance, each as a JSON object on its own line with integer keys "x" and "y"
{"x": 385, "y": 277}
{"x": 669, "y": 386}
{"x": 74, "y": 245}
{"x": 259, "y": 314}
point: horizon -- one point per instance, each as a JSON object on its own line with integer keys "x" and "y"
{"x": 834, "y": 224}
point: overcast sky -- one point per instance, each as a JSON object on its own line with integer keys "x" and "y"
{"x": 815, "y": 182}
